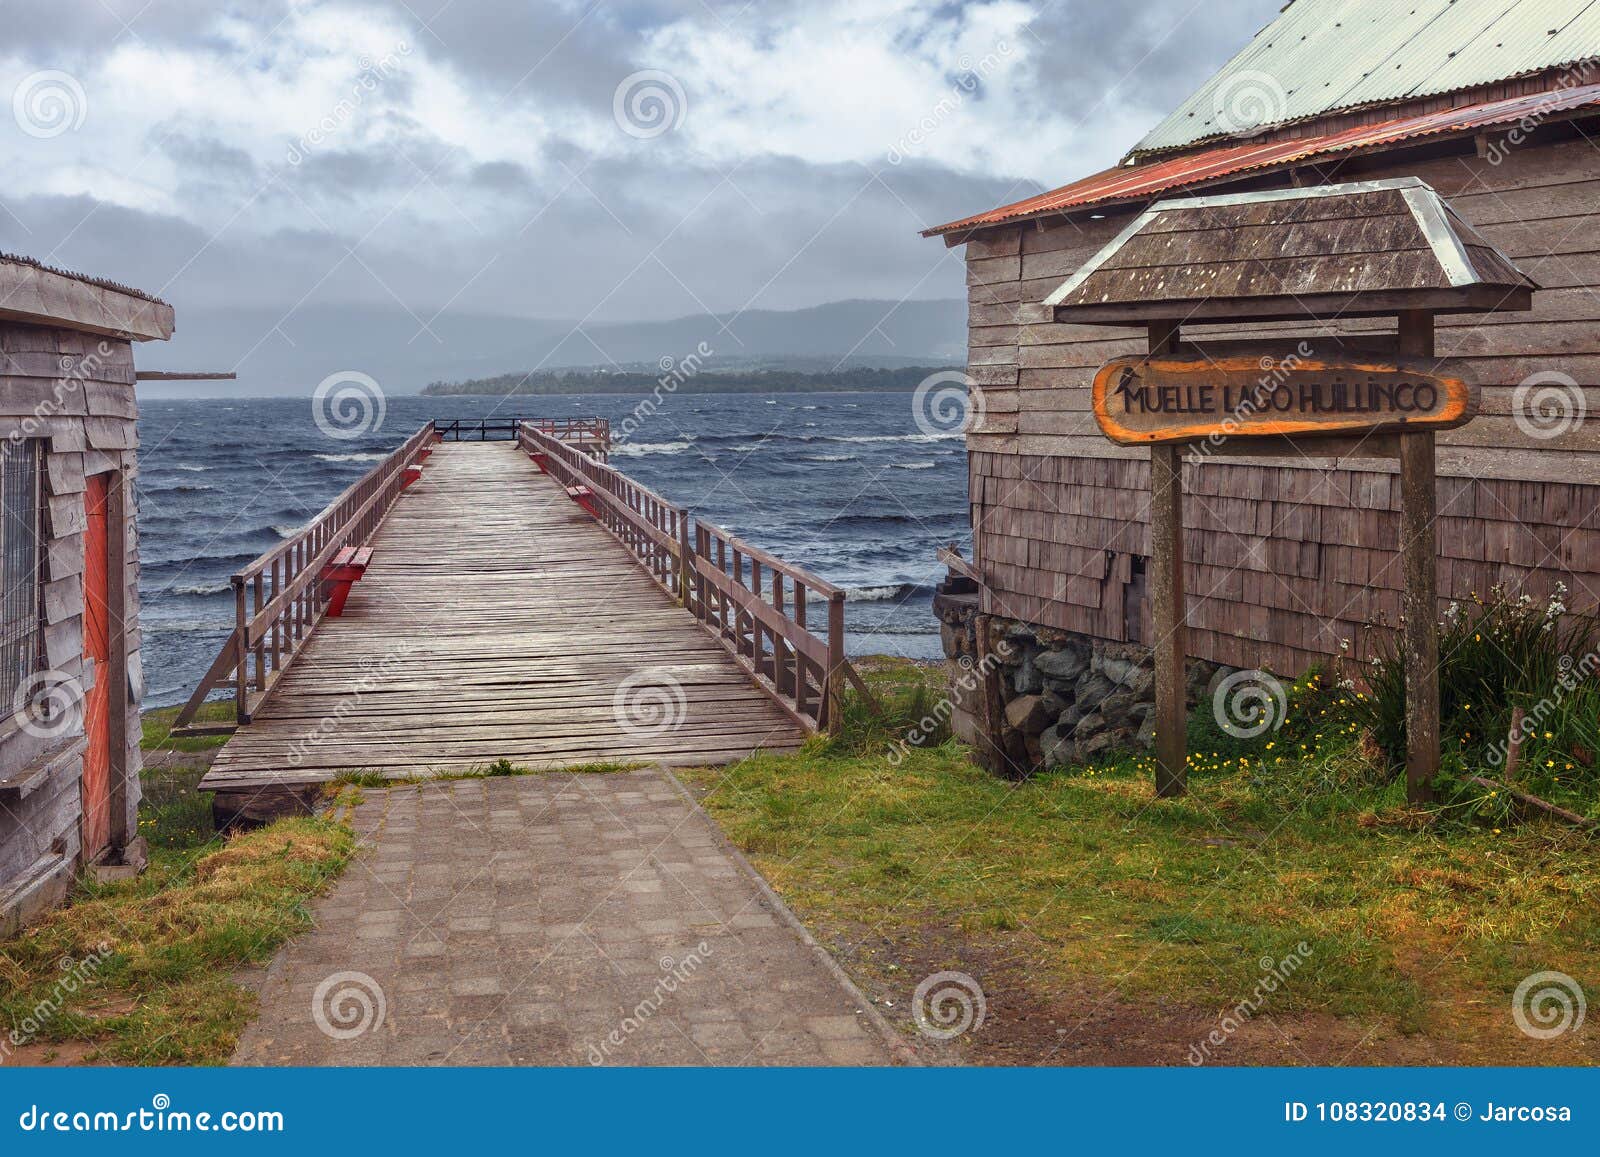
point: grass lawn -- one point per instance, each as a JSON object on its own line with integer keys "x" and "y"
{"x": 1107, "y": 926}
{"x": 142, "y": 971}
{"x": 152, "y": 959}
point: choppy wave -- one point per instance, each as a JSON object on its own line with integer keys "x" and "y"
{"x": 862, "y": 439}
{"x": 200, "y": 588}
{"x": 149, "y": 626}
{"x": 894, "y": 437}
{"x": 640, "y": 449}
{"x": 228, "y": 560}
{"x": 914, "y": 465}
{"x": 875, "y": 520}
{"x": 285, "y": 531}
{"x": 352, "y": 457}
{"x": 888, "y": 592}
{"x": 827, "y": 458}
{"x": 187, "y": 466}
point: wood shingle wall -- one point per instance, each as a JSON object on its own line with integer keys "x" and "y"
{"x": 1285, "y": 561}
{"x": 75, "y": 393}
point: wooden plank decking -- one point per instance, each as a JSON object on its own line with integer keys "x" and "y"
{"x": 497, "y": 620}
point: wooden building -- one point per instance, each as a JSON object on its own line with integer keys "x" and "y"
{"x": 69, "y": 635}
{"x": 1495, "y": 106}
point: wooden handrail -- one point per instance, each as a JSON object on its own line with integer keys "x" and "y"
{"x": 763, "y": 610}
{"x": 278, "y": 597}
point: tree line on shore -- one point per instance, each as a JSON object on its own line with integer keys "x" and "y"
{"x": 855, "y": 378}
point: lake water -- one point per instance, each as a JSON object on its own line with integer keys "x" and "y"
{"x": 845, "y": 485}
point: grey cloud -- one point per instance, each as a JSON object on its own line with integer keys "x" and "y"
{"x": 647, "y": 230}
{"x": 1093, "y": 56}
{"x": 56, "y": 33}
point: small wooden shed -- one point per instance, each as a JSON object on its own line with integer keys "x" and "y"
{"x": 70, "y": 678}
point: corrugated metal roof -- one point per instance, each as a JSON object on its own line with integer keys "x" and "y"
{"x": 1137, "y": 182}
{"x": 1320, "y": 56}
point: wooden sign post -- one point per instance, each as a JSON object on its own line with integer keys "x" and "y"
{"x": 1168, "y": 612}
{"x": 1309, "y": 254}
{"x": 1171, "y": 397}
{"x": 1419, "y": 551}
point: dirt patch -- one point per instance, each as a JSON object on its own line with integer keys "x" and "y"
{"x": 60, "y": 1055}
{"x": 1026, "y": 1023}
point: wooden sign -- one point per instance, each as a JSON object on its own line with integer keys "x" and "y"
{"x": 1149, "y": 399}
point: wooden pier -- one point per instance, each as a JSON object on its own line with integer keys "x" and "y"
{"x": 525, "y": 602}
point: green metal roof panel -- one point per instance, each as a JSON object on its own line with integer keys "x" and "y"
{"x": 1320, "y": 56}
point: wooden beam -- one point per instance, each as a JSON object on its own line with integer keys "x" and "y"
{"x": 185, "y": 376}
{"x": 1420, "y": 555}
{"x": 952, "y": 559}
{"x": 1308, "y": 306}
{"x": 1167, "y": 602}
{"x": 1543, "y": 805}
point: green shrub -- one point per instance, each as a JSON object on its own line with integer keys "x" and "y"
{"x": 910, "y": 707}
{"x": 1497, "y": 655}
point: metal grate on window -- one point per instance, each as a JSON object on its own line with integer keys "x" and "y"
{"x": 21, "y": 550}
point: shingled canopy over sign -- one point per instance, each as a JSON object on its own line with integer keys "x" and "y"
{"x": 1367, "y": 248}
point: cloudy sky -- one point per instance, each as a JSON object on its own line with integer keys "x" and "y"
{"x": 561, "y": 158}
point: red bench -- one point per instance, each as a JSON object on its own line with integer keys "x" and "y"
{"x": 343, "y": 569}
{"x": 541, "y": 460}
{"x": 413, "y": 474}
{"x": 584, "y": 497}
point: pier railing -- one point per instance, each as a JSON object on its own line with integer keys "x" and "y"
{"x": 780, "y": 622}
{"x": 652, "y": 528}
{"x": 783, "y": 624}
{"x": 278, "y": 598}
{"x": 593, "y": 435}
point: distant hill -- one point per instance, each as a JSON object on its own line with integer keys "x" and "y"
{"x": 678, "y": 381}
{"x": 275, "y": 354}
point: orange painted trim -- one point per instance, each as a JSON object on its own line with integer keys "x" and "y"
{"x": 1460, "y": 400}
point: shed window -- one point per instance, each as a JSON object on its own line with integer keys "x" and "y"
{"x": 20, "y": 555}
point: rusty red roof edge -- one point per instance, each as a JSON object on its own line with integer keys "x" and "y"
{"x": 1137, "y": 181}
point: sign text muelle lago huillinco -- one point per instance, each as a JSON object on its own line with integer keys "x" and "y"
{"x": 1146, "y": 399}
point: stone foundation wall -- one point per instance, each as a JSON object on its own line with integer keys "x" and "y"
{"x": 1030, "y": 698}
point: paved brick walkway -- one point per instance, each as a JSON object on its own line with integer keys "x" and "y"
{"x": 550, "y": 920}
